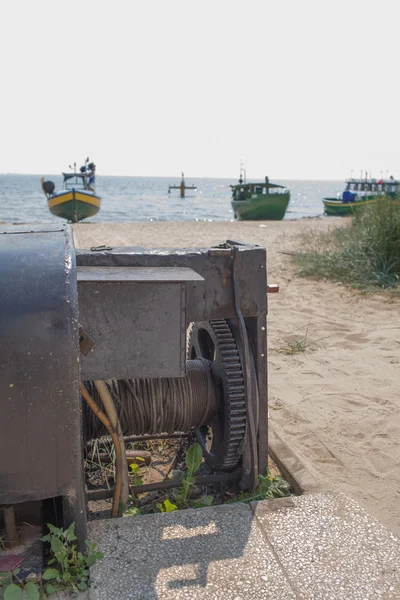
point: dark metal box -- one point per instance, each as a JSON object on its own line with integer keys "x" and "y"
{"x": 136, "y": 317}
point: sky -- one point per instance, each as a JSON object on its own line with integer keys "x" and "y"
{"x": 297, "y": 90}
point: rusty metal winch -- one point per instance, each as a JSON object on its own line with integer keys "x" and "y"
{"x": 179, "y": 335}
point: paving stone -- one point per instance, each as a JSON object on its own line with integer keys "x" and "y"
{"x": 316, "y": 547}
{"x": 211, "y": 553}
{"x": 331, "y": 548}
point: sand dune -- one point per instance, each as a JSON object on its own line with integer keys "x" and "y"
{"x": 338, "y": 404}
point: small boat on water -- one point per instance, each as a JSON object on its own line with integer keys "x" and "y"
{"x": 259, "y": 201}
{"x": 361, "y": 192}
{"x": 78, "y": 199}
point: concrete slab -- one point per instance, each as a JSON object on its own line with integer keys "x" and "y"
{"x": 318, "y": 546}
{"x": 211, "y": 553}
{"x": 330, "y": 547}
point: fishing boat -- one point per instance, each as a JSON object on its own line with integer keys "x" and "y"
{"x": 259, "y": 201}
{"x": 361, "y": 192}
{"x": 78, "y": 199}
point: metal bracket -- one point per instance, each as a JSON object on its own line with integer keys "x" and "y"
{"x": 100, "y": 248}
{"x": 86, "y": 343}
{"x": 272, "y": 288}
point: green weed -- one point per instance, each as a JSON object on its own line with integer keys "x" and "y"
{"x": 364, "y": 254}
{"x": 70, "y": 570}
{"x": 132, "y": 511}
{"x": 12, "y": 588}
{"x": 167, "y": 506}
{"x": 180, "y": 498}
{"x": 295, "y": 344}
{"x": 71, "y": 567}
{"x": 194, "y": 458}
{"x": 135, "y": 469}
{"x": 269, "y": 487}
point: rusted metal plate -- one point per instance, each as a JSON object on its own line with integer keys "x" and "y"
{"x": 148, "y": 274}
{"x": 208, "y": 299}
{"x": 139, "y": 329}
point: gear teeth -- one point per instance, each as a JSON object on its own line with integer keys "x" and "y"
{"x": 235, "y": 394}
{"x": 232, "y": 367}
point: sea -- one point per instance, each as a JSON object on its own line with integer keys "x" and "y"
{"x": 147, "y": 199}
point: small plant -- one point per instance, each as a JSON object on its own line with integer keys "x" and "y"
{"x": 296, "y": 344}
{"x": 132, "y": 511}
{"x": 269, "y": 487}
{"x": 71, "y": 568}
{"x": 194, "y": 458}
{"x": 203, "y": 501}
{"x": 135, "y": 472}
{"x": 166, "y": 506}
{"x": 12, "y": 588}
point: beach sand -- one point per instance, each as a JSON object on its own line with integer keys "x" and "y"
{"x": 338, "y": 403}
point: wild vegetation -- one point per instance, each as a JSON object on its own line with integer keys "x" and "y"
{"x": 68, "y": 569}
{"x": 296, "y": 343}
{"x": 186, "y": 496}
{"x": 364, "y": 253}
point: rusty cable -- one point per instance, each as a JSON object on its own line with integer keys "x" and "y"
{"x": 151, "y": 406}
{"x": 109, "y": 409}
{"x": 118, "y": 456}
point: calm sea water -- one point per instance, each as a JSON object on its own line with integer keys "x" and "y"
{"x": 147, "y": 198}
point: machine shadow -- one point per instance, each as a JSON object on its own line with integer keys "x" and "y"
{"x": 191, "y": 549}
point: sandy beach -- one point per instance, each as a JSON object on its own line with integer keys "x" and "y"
{"x": 338, "y": 403}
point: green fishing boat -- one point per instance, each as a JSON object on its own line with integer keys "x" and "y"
{"x": 361, "y": 192}
{"x": 259, "y": 201}
{"x": 78, "y": 199}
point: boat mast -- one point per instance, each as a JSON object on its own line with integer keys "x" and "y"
{"x": 182, "y": 186}
{"x": 242, "y": 176}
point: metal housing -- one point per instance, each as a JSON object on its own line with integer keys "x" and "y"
{"x": 208, "y": 297}
{"x": 40, "y": 423}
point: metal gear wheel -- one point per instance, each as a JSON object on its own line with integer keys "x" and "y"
{"x": 222, "y": 441}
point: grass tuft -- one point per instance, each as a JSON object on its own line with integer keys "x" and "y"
{"x": 364, "y": 254}
{"x": 295, "y": 346}
{"x": 296, "y": 343}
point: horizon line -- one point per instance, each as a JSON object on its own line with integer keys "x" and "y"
{"x": 192, "y": 177}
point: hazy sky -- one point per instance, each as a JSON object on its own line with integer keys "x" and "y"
{"x": 298, "y": 89}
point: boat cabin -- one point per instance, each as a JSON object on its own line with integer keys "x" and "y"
{"x": 246, "y": 191}
{"x": 84, "y": 180}
{"x": 376, "y": 186}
